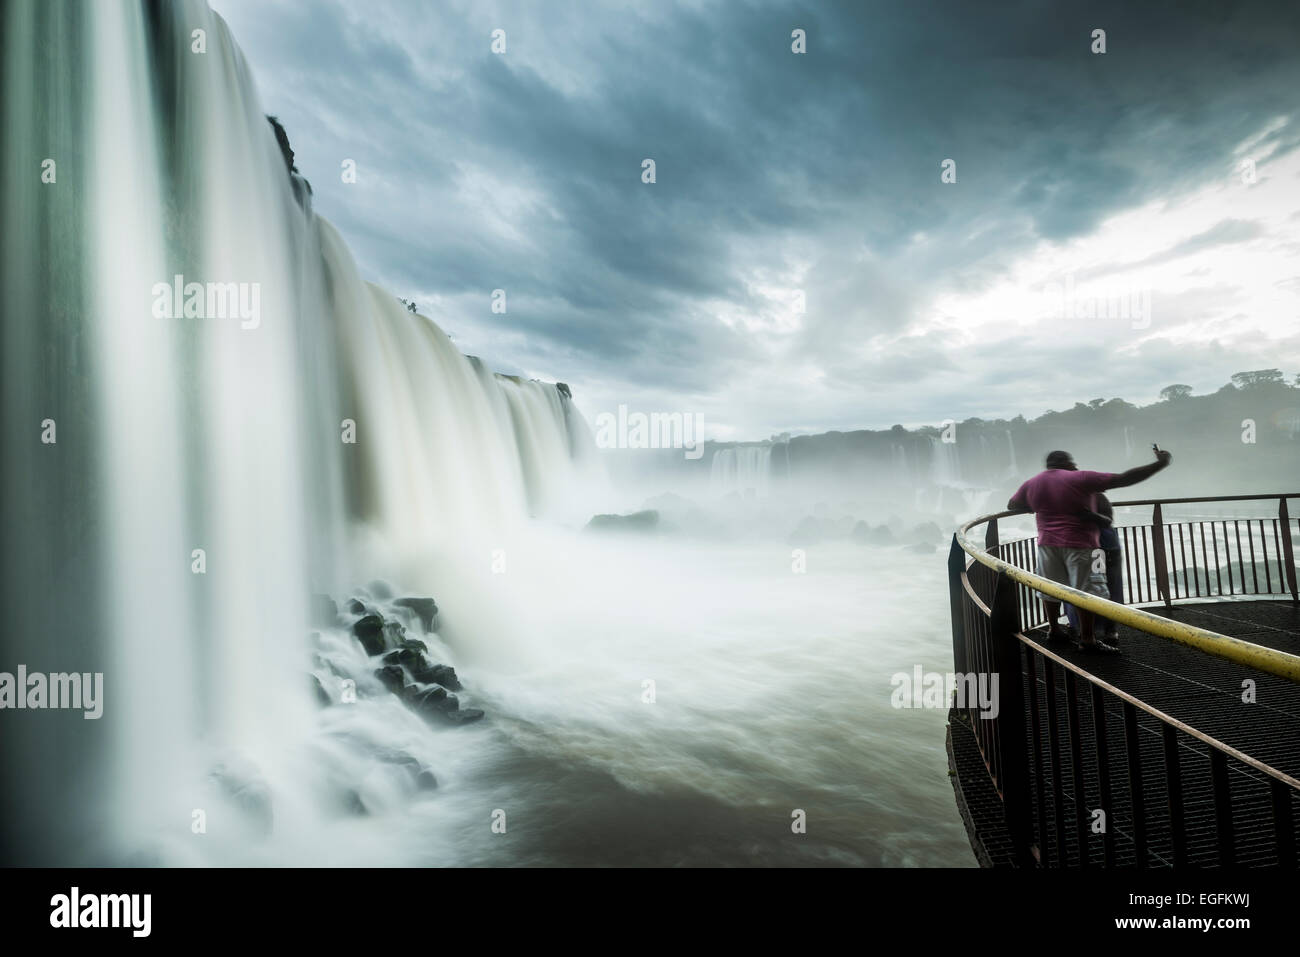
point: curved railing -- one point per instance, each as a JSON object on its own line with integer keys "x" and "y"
{"x": 1064, "y": 740}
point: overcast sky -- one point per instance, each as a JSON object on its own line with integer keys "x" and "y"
{"x": 1120, "y": 180}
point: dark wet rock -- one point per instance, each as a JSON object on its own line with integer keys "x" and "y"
{"x": 380, "y": 589}
{"x": 394, "y": 633}
{"x": 426, "y": 609}
{"x": 432, "y": 699}
{"x": 425, "y": 781}
{"x": 411, "y": 658}
{"x": 463, "y": 715}
{"x": 422, "y": 669}
{"x": 391, "y": 677}
{"x": 353, "y": 804}
{"x": 322, "y": 696}
{"x": 444, "y": 675}
{"x": 422, "y": 777}
{"x": 414, "y": 644}
{"x": 563, "y": 389}
{"x": 370, "y": 632}
{"x": 356, "y": 607}
{"x": 643, "y": 521}
{"x": 324, "y": 611}
{"x": 282, "y": 140}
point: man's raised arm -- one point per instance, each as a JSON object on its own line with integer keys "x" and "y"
{"x": 1142, "y": 472}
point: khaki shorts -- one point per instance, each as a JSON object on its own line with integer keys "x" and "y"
{"x": 1074, "y": 567}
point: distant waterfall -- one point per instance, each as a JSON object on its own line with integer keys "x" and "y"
{"x": 899, "y": 466}
{"x": 945, "y": 466}
{"x": 1014, "y": 467}
{"x": 746, "y": 470}
{"x": 210, "y": 471}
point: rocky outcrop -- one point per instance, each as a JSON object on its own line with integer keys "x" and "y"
{"x": 369, "y": 630}
{"x": 426, "y": 609}
{"x": 405, "y": 668}
{"x": 644, "y": 521}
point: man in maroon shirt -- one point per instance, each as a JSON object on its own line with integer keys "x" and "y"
{"x": 1062, "y": 500}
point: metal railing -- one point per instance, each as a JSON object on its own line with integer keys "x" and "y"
{"x": 1088, "y": 773}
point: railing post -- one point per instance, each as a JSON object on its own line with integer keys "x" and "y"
{"x": 1288, "y": 551}
{"x": 1017, "y": 805}
{"x": 956, "y": 567}
{"x": 991, "y": 537}
{"x": 1158, "y": 550}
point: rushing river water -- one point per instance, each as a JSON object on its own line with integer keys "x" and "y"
{"x": 771, "y": 694}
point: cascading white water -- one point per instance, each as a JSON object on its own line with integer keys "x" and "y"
{"x": 902, "y": 473}
{"x": 744, "y": 469}
{"x": 243, "y": 461}
{"x": 945, "y": 466}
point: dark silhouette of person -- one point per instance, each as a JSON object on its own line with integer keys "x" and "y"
{"x": 1063, "y": 499}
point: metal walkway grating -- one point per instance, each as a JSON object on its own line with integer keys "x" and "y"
{"x": 1202, "y": 691}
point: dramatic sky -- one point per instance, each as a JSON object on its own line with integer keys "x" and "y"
{"x": 1157, "y": 183}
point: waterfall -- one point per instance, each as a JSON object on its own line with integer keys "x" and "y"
{"x": 744, "y": 469}
{"x": 212, "y": 468}
{"x": 1014, "y": 467}
{"x": 898, "y": 463}
{"x": 945, "y": 466}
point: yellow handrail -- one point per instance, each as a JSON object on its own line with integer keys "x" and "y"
{"x": 1268, "y": 660}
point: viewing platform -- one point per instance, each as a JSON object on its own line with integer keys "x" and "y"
{"x": 1184, "y": 751}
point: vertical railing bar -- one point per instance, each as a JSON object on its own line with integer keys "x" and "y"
{"x": 1288, "y": 549}
{"x": 1054, "y": 752}
{"x": 1205, "y": 557}
{"x": 1227, "y": 550}
{"x": 1283, "y": 825}
{"x": 1174, "y": 789}
{"x": 1128, "y": 591}
{"x": 1218, "y": 569}
{"x": 1263, "y": 547}
{"x": 1009, "y": 724}
{"x": 1169, "y": 553}
{"x": 1254, "y": 568}
{"x": 1277, "y": 550}
{"x": 1182, "y": 552}
{"x": 1036, "y": 728}
{"x": 1076, "y": 767}
{"x": 1137, "y": 797}
{"x": 1223, "y": 807}
{"x": 1103, "y": 774}
{"x": 1146, "y": 563}
{"x": 1241, "y": 558}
